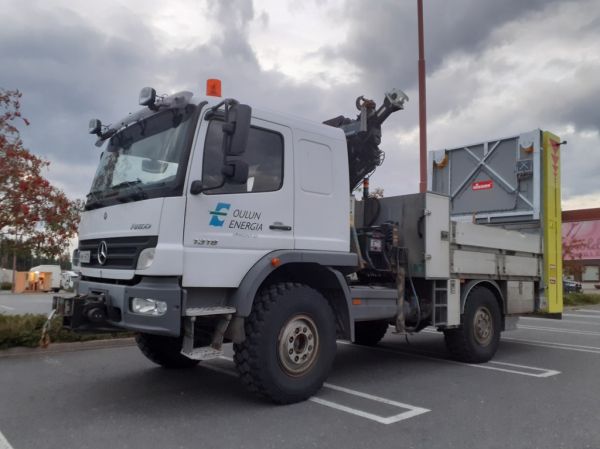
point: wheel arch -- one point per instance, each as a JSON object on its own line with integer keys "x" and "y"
{"x": 323, "y": 271}
{"x": 488, "y": 284}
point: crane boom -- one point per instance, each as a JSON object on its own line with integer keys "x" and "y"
{"x": 363, "y": 134}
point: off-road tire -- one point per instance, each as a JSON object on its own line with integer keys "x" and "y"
{"x": 262, "y": 358}
{"x": 369, "y": 333}
{"x": 465, "y": 343}
{"x": 164, "y": 351}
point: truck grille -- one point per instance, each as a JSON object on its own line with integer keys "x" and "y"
{"x": 122, "y": 252}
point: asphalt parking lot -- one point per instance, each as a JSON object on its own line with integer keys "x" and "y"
{"x": 542, "y": 390}
{"x": 14, "y": 304}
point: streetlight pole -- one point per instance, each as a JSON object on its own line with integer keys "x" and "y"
{"x": 422, "y": 104}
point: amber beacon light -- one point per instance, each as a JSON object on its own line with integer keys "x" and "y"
{"x": 213, "y": 88}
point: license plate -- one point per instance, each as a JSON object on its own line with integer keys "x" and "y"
{"x": 84, "y": 256}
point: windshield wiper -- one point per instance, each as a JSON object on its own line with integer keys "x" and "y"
{"x": 126, "y": 184}
{"x": 141, "y": 194}
{"x": 93, "y": 201}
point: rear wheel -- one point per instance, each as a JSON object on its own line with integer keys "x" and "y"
{"x": 290, "y": 343}
{"x": 164, "y": 351}
{"x": 369, "y": 333}
{"x": 477, "y": 340}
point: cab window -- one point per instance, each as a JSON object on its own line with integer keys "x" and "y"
{"x": 264, "y": 155}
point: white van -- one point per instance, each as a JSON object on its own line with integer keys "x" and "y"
{"x": 54, "y": 270}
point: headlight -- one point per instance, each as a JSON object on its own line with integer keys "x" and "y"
{"x": 146, "y": 258}
{"x": 147, "y": 306}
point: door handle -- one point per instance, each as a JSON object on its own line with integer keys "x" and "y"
{"x": 277, "y": 226}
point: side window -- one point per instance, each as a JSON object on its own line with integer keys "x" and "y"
{"x": 264, "y": 155}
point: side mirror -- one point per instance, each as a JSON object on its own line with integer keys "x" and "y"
{"x": 237, "y": 128}
{"x": 154, "y": 166}
{"x": 236, "y": 171}
{"x": 95, "y": 126}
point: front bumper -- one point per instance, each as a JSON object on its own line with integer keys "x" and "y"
{"x": 107, "y": 307}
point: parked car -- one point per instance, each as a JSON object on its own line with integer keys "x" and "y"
{"x": 570, "y": 286}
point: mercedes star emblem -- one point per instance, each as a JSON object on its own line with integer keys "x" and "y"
{"x": 105, "y": 215}
{"x": 102, "y": 252}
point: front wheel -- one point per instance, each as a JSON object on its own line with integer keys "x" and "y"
{"x": 290, "y": 343}
{"x": 477, "y": 340}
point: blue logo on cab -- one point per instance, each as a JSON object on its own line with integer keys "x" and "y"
{"x": 218, "y": 215}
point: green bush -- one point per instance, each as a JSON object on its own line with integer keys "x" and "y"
{"x": 579, "y": 299}
{"x": 6, "y": 286}
{"x": 26, "y": 330}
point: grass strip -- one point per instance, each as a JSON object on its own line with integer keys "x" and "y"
{"x": 26, "y": 330}
{"x": 581, "y": 299}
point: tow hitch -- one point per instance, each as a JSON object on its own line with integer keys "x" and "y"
{"x": 83, "y": 312}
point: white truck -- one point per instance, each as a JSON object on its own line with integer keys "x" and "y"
{"x": 44, "y": 270}
{"x": 211, "y": 222}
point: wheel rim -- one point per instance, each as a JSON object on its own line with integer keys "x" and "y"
{"x": 298, "y": 345}
{"x": 483, "y": 326}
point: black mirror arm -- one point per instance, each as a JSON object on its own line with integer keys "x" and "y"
{"x": 227, "y": 102}
{"x": 198, "y": 187}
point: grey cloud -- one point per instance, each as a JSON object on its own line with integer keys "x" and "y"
{"x": 234, "y": 17}
{"x": 70, "y": 70}
{"x": 382, "y": 39}
{"x": 581, "y": 104}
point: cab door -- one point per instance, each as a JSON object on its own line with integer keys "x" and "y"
{"x": 228, "y": 229}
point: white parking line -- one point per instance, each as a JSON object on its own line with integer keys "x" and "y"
{"x": 557, "y": 329}
{"x": 551, "y": 321}
{"x": 7, "y": 307}
{"x": 4, "y": 444}
{"x": 587, "y": 310}
{"x": 579, "y": 315}
{"x": 541, "y": 372}
{"x": 553, "y": 345}
{"x": 411, "y": 410}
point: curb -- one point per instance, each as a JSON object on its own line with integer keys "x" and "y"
{"x": 58, "y": 348}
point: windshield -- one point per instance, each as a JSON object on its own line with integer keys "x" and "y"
{"x": 146, "y": 160}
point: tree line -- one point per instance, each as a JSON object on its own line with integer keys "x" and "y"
{"x": 37, "y": 219}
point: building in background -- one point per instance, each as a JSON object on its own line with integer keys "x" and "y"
{"x": 581, "y": 245}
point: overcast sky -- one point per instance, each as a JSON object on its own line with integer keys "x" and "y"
{"x": 495, "y": 69}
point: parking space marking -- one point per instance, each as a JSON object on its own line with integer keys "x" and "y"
{"x": 557, "y": 329}
{"x": 4, "y": 444}
{"x": 502, "y": 366}
{"x": 7, "y": 307}
{"x": 411, "y": 410}
{"x": 580, "y": 315}
{"x": 542, "y": 372}
{"x": 587, "y": 311}
{"x": 554, "y": 345}
{"x": 548, "y": 320}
